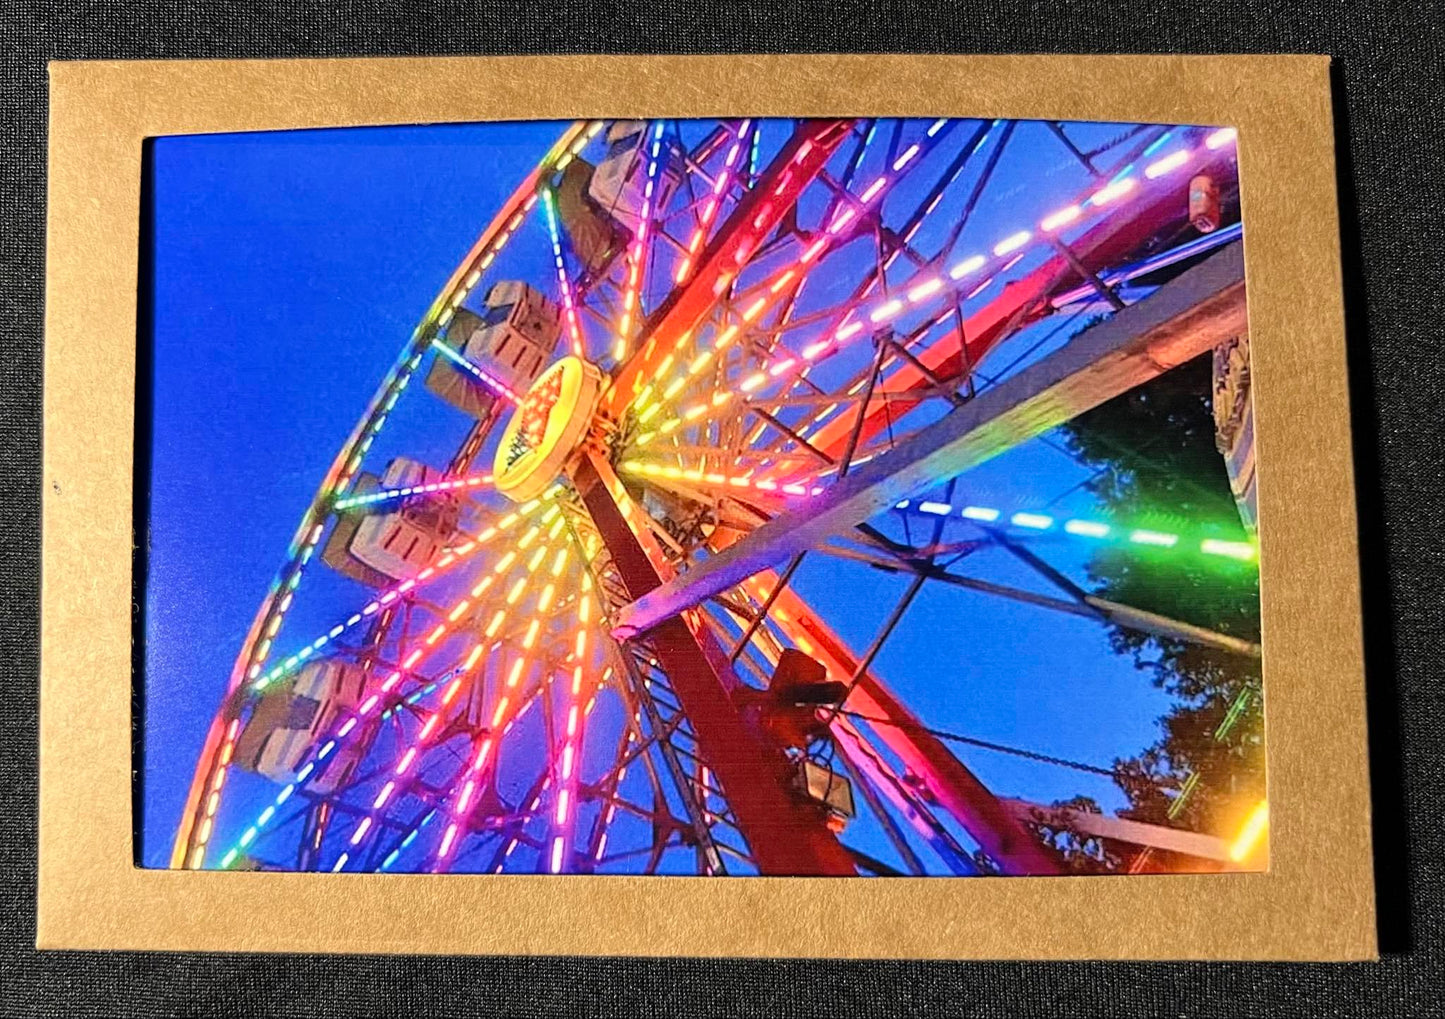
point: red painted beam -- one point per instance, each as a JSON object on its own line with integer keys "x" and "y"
{"x": 1022, "y": 302}
{"x": 945, "y": 778}
{"x": 787, "y": 835}
{"x": 755, "y": 216}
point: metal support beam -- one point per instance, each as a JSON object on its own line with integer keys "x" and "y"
{"x": 876, "y": 782}
{"x": 1187, "y": 316}
{"x": 925, "y": 757}
{"x": 1113, "y": 240}
{"x": 1118, "y": 829}
{"x": 787, "y": 835}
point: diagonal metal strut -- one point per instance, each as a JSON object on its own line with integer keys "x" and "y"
{"x": 1187, "y": 316}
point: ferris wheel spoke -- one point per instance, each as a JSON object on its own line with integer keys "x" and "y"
{"x": 393, "y": 691}
{"x": 735, "y": 242}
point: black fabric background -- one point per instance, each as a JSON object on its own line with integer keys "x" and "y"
{"x": 1390, "y": 93}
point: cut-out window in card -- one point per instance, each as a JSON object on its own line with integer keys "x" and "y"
{"x": 714, "y": 497}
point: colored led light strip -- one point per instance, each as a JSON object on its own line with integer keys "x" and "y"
{"x": 502, "y": 718}
{"x": 1238, "y": 550}
{"x": 577, "y": 146}
{"x": 400, "y": 376}
{"x": 353, "y": 722}
{"x": 712, "y": 204}
{"x": 562, "y": 813}
{"x": 925, "y": 287}
{"x": 874, "y": 193}
{"x": 491, "y": 382}
{"x": 717, "y": 479}
{"x": 386, "y": 494}
{"x": 406, "y": 842}
{"x": 611, "y": 811}
{"x": 630, "y": 295}
{"x": 564, "y": 809}
{"x": 569, "y": 302}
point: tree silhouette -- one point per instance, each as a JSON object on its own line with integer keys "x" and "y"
{"x": 1157, "y": 464}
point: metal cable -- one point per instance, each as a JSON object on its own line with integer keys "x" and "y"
{"x": 986, "y": 745}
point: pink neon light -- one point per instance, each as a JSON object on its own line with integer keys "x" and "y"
{"x": 1012, "y": 242}
{"x": 1112, "y": 191}
{"x": 1170, "y": 162}
{"x": 1061, "y": 218}
{"x": 1220, "y": 138}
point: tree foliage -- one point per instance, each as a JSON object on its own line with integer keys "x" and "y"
{"x": 1154, "y": 450}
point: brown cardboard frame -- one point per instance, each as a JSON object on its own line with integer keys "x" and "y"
{"x": 1315, "y": 902}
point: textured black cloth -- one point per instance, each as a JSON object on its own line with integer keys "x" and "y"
{"x": 1390, "y": 93}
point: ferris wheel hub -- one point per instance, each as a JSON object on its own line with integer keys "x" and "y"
{"x": 547, "y": 428}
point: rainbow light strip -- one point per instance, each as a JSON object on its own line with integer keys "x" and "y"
{"x": 563, "y": 820}
{"x": 717, "y": 479}
{"x": 712, "y": 204}
{"x": 388, "y": 687}
{"x": 635, "y": 253}
{"x": 577, "y": 146}
{"x": 569, "y": 301}
{"x": 385, "y": 494}
{"x": 926, "y": 287}
{"x": 1242, "y": 551}
{"x": 872, "y": 194}
{"x": 611, "y": 811}
{"x": 486, "y": 378}
{"x": 411, "y": 837}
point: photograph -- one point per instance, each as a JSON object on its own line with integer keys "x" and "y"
{"x": 863, "y": 497}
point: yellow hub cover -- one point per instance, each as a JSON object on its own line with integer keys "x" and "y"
{"x": 546, "y": 428}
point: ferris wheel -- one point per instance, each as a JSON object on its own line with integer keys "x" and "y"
{"x": 545, "y": 612}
